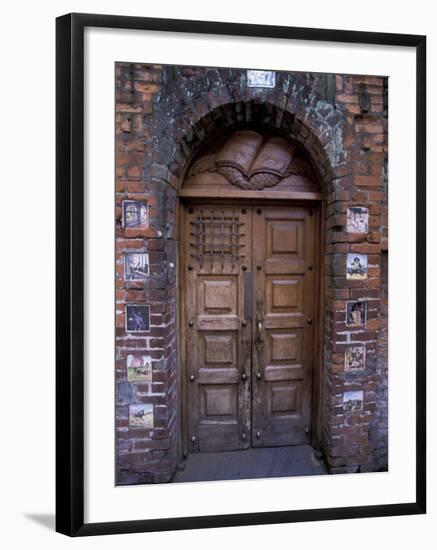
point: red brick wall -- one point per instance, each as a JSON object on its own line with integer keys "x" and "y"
{"x": 348, "y": 443}
{"x": 144, "y": 455}
{"x": 162, "y": 115}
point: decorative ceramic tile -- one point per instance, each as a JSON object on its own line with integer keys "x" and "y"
{"x": 260, "y": 79}
{"x": 141, "y": 416}
{"x": 356, "y": 267}
{"x": 137, "y": 318}
{"x": 135, "y": 214}
{"x": 357, "y": 219}
{"x": 356, "y": 313}
{"x": 139, "y": 368}
{"x": 355, "y": 358}
{"x": 353, "y": 402}
{"x": 136, "y": 266}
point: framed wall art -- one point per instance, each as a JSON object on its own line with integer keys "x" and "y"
{"x": 240, "y": 287}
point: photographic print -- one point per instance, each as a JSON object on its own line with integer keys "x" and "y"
{"x": 136, "y": 266}
{"x": 141, "y": 416}
{"x": 139, "y": 368}
{"x": 137, "y": 318}
{"x": 356, "y": 313}
{"x": 241, "y": 262}
{"x": 355, "y": 358}
{"x": 357, "y": 219}
{"x": 236, "y": 179}
{"x": 356, "y": 267}
{"x": 135, "y": 214}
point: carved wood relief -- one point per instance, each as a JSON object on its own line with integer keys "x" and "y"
{"x": 249, "y": 160}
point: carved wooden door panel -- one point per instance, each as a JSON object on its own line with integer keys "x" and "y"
{"x": 283, "y": 258}
{"x": 217, "y": 253}
{"x": 248, "y": 288}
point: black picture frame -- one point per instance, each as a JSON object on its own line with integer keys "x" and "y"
{"x": 70, "y": 273}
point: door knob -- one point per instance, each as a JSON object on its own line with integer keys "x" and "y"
{"x": 258, "y": 435}
{"x": 244, "y": 377}
{"x": 258, "y": 376}
{"x": 192, "y": 377}
{"x": 309, "y": 321}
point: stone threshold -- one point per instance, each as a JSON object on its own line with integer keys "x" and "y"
{"x": 300, "y": 460}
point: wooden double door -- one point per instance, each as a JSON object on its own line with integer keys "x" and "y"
{"x": 248, "y": 330}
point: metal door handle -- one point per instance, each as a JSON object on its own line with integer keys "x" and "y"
{"x": 259, "y": 328}
{"x": 259, "y": 340}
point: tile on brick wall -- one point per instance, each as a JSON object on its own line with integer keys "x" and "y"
{"x": 141, "y": 416}
{"x": 355, "y": 358}
{"x": 357, "y": 219}
{"x": 356, "y": 268}
{"x": 356, "y": 313}
{"x": 135, "y": 214}
{"x": 353, "y": 402}
{"x": 136, "y": 266}
{"x": 137, "y": 318}
{"x": 139, "y": 368}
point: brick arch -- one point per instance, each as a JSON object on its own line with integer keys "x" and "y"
{"x": 300, "y": 114}
{"x": 227, "y": 117}
{"x": 295, "y": 110}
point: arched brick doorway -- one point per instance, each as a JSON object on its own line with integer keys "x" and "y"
{"x": 160, "y": 130}
{"x": 249, "y": 293}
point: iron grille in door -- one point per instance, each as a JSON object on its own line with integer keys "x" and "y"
{"x": 215, "y": 240}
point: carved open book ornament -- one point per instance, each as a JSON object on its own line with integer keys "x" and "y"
{"x": 250, "y": 161}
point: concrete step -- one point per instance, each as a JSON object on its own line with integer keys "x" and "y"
{"x": 251, "y": 464}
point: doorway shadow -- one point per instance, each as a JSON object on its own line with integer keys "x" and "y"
{"x": 46, "y": 520}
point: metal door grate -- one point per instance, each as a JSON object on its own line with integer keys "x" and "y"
{"x": 216, "y": 238}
